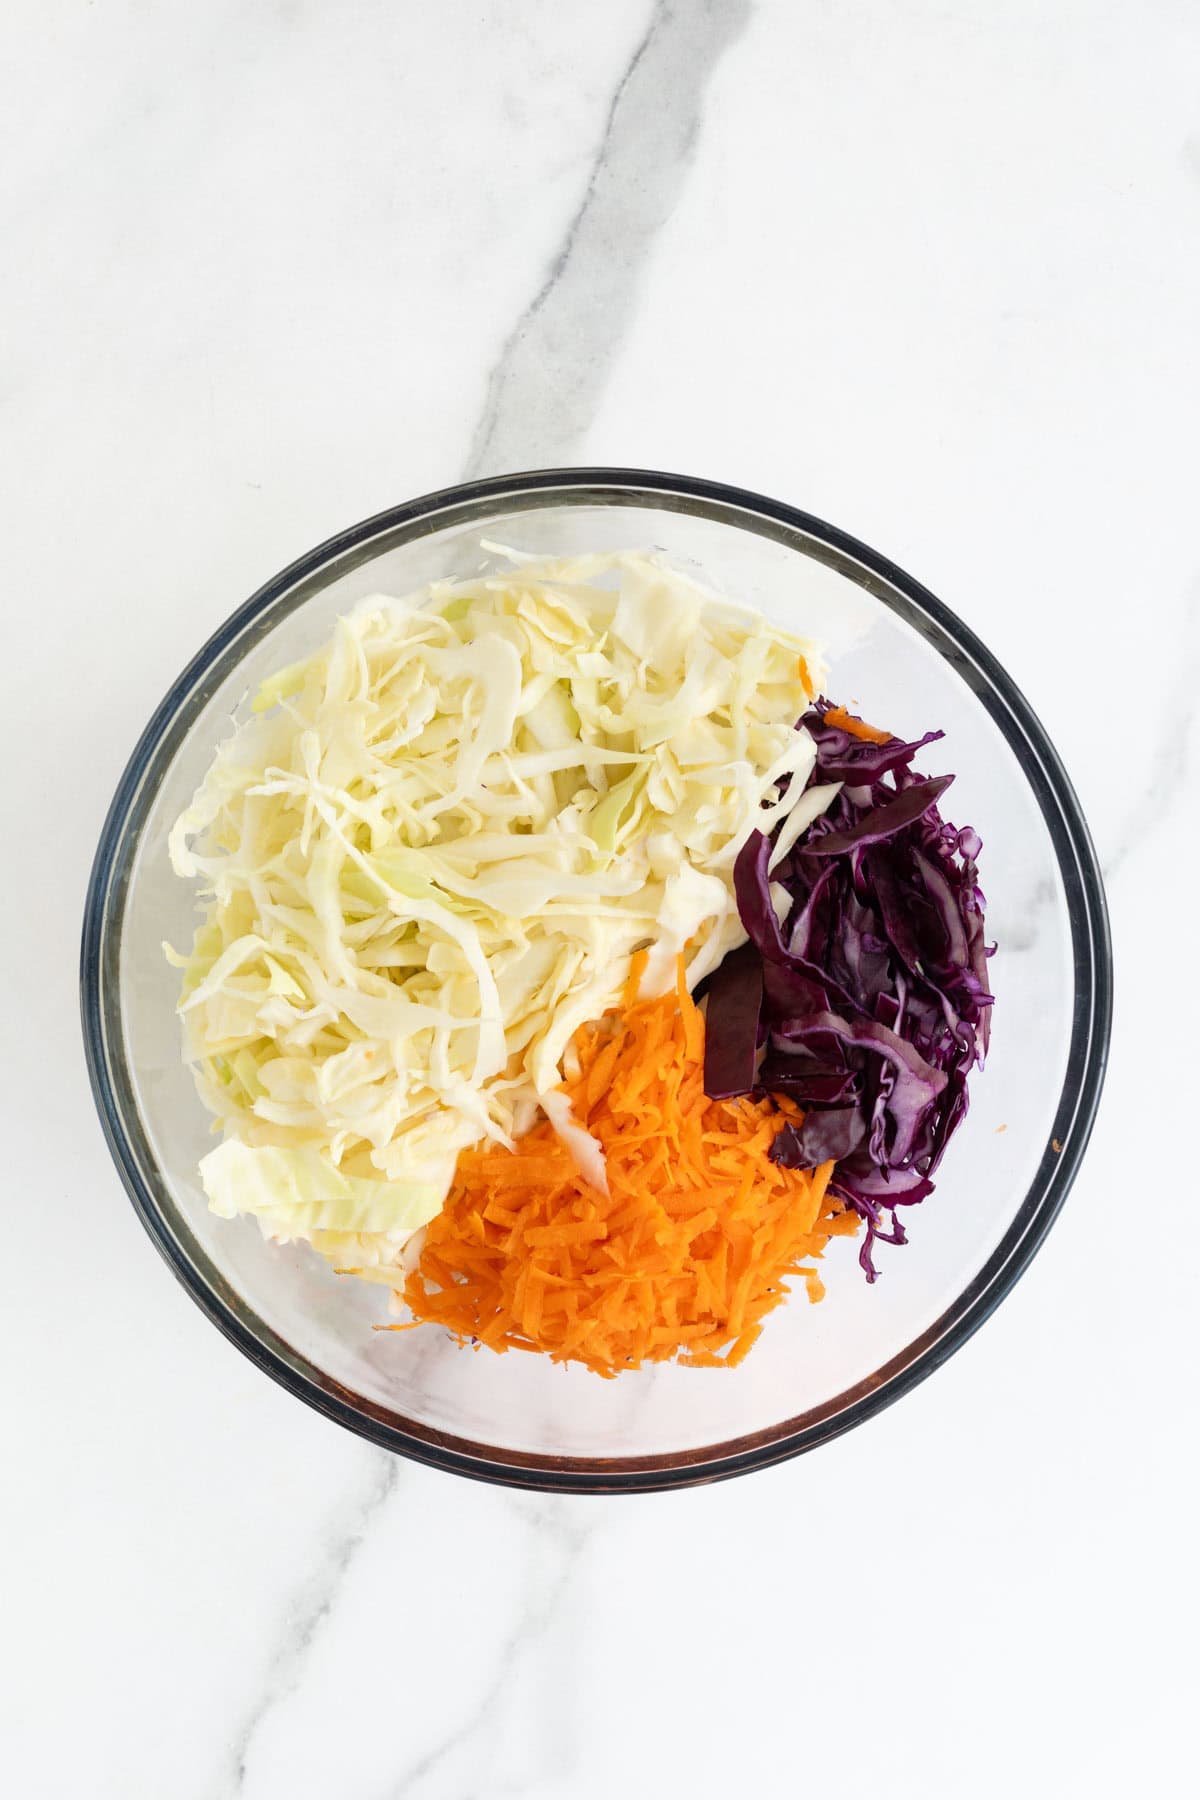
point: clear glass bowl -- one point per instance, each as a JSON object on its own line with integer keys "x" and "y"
{"x": 898, "y": 656}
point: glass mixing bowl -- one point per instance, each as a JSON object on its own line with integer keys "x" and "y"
{"x": 897, "y": 655}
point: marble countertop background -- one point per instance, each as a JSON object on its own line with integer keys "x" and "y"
{"x": 927, "y": 268}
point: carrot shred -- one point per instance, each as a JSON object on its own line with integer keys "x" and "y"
{"x": 685, "y": 1256}
{"x": 846, "y": 721}
{"x": 806, "y": 680}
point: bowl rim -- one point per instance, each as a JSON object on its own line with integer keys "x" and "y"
{"x": 955, "y": 642}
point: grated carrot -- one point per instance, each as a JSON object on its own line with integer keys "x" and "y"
{"x": 846, "y": 721}
{"x": 685, "y": 1255}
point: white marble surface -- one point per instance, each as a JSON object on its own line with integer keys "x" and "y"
{"x": 929, "y": 270}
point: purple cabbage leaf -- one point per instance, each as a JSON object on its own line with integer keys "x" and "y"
{"x": 868, "y": 1002}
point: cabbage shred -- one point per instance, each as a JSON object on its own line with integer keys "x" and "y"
{"x": 430, "y": 855}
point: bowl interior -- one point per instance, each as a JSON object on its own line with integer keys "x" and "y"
{"x": 892, "y": 661}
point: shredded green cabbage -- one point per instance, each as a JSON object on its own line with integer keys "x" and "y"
{"x": 430, "y": 854}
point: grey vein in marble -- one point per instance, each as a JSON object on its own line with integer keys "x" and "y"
{"x": 1170, "y": 756}
{"x": 1018, "y": 930}
{"x": 542, "y": 392}
{"x": 559, "y": 1538}
{"x": 309, "y": 1611}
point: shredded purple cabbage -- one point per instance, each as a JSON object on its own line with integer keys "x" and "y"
{"x": 870, "y": 1003}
